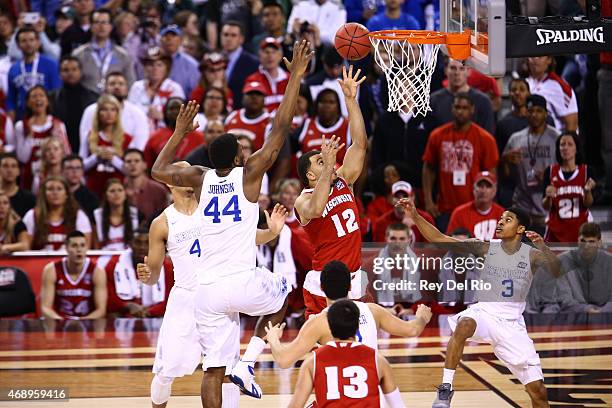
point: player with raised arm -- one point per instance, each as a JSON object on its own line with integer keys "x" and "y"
{"x": 177, "y": 231}
{"x": 497, "y": 318}
{"x": 345, "y": 372}
{"x": 336, "y": 284}
{"x": 327, "y": 207}
{"x": 229, "y": 282}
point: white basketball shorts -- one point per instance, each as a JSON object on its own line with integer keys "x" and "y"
{"x": 510, "y": 341}
{"x": 256, "y": 292}
{"x": 178, "y": 348}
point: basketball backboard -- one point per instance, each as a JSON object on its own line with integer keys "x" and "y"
{"x": 486, "y": 19}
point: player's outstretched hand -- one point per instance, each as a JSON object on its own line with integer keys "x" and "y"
{"x": 277, "y": 219}
{"x": 185, "y": 122}
{"x": 349, "y": 82}
{"x": 274, "y": 331}
{"x": 143, "y": 271}
{"x": 329, "y": 150}
{"x": 424, "y": 312}
{"x": 409, "y": 206}
{"x": 536, "y": 238}
{"x": 301, "y": 57}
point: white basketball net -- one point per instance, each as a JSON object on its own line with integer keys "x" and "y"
{"x": 408, "y": 68}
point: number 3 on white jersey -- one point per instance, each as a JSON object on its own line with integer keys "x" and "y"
{"x": 358, "y": 379}
{"x": 351, "y": 223}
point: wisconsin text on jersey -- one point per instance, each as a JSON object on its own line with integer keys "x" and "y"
{"x": 342, "y": 198}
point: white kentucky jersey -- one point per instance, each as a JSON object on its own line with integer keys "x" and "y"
{"x": 510, "y": 279}
{"x": 229, "y": 225}
{"x": 184, "y": 245}
{"x": 367, "y": 333}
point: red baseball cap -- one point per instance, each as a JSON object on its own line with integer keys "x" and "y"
{"x": 269, "y": 42}
{"x": 254, "y": 86}
{"x": 486, "y": 175}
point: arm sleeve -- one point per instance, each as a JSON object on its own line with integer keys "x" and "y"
{"x": 431, "y": 150}
{"x": 28, "y": 221}
{"x": 23, "y": 144}
{"x": 13, "y": 50}
{"x": 117, "y": 163}
{"x": 50, "y": 48}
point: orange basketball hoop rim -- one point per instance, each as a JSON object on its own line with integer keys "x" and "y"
{"x": 457, "y": 44}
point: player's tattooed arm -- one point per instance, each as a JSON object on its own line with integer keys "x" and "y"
{"x": 433, "y": 235}
{"x": 163, "y": 169}
{"x": 543, "y": 257}
{"x": 275, "y": 223}
{"x": 352, "y": 165}
{"x": 263, "y": 159}
{"x": 149, "y": 271}
{"x": 304, "y": 384}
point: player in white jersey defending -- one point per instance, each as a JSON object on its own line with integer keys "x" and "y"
{"x": 336, "y": 284}
{"x": 229, "y": 282}
{"x": 177, "y": 231}
{"x": 497, "y": 318}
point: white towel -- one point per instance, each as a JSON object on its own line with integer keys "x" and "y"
{"x": 128, "y": 287}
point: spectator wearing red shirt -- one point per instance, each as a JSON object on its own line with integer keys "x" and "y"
{"x": 270, "y": 73}
{"x": 253, "y": 118}
{"x": 399, "y": 190}
{"x": 212, "y": 67}
{"x": 479, "y": 216}
{"x": 106, "y": 143}
{"x": 126, "y": 297}
{"x": 160, "y": 137}
{"x": 149, "y": 196}
{"x": 454, "y": 155}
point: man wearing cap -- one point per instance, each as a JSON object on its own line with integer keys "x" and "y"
{"x": 479, "y": 216}
{"x": 270, "y": 74}
{"x": 184, "y": 67}
{"x": 253, "y": 118}
{"x": 531, "y": 150}
{"x": 400, "y": 189}
{"x": 100, "y": 57}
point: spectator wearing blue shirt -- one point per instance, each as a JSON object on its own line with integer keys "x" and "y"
{"x": 33, "y": 69}
{"x": 393, "y": 18}
{"x": 185, "y": 69}
{"x": 425, "y": 11}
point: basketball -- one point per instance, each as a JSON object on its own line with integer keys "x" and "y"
{"x": 352, "y": 41}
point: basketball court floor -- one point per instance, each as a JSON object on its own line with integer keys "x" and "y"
{"x": 107, "y": 364}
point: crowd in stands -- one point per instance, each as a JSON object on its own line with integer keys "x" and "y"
{"x": 90, "y": 91}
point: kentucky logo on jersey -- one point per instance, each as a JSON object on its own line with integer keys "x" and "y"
{"x": 522, "y": 265}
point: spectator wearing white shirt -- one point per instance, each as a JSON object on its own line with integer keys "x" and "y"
{"x": 560, "y": 97}
{"x": 133, "y": 119}
{"x": 324, "y": 14}
{"x": 152, "y": 92}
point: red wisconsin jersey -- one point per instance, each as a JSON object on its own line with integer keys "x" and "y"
{"x": 55, "y": 238}
{"x": 567, "y": 212}
{"x": 254, "y": 129}
{"x": 74, "y": 298}
{"x": 97, "y": 176}
{"x": 336, "y": 234}
{"x": 311, "y": 136}
{"x": 346, "y": 375}
{"x": 480, "y": 225}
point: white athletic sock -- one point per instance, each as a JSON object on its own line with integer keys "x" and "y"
{"x": 230, "y": 394}
{"x": 254, "y": 349}
{"x": 160, "y": 389}
{"x": 447, "y": 377}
